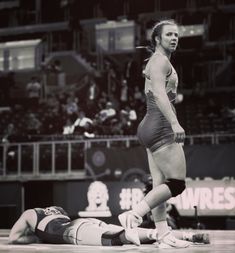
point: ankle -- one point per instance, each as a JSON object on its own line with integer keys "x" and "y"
{"x": 162, "y": 228}
{"x": 142, "y": 208}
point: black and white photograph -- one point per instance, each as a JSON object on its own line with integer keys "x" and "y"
{"x": 117, "y": 126}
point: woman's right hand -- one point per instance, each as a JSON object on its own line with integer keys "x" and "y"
{"x": 179, "y": 133}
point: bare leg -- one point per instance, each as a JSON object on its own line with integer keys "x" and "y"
{"x": 95, "y": 232}
{"x": 159, "y": 212}
{"x": 168, "y": 162}
{"x": 147, "y": 235}
{"x": 165, "y": 163}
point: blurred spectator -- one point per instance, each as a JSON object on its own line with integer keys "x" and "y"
{"x": 128, "y": 118}
{"x": 103, "y": 99}
{"x": 68, "y": 128}
{"x": 33, "y": 125}
{"x": 92, "y": 95}
{"x": 82, "y": 123}
{"x": 33, "y": 89}
{"x": 93, "y": 90}
{"x": 62, "y": 98}
{"x": 52, "y": 103}
{"x": 107, "y": 113}
{"x": 9, "y": 133}
{"x": 124, "y": 91}
{"x": 71, "y": 107}
{"x": 129, "y": 113}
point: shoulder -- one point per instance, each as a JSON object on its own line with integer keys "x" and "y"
{"x": 30, "y": 216}
{"x": 28, "y": 212}
{"x": 159, "y": 59}
{"x": 160, "y": 62}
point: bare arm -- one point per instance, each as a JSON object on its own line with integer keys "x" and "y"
{"x": 159, "y": 68}
{"x": 23, "y": 230}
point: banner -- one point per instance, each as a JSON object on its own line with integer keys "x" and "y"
{"x": 211, "y": 197}
{"x": 106, "y": 199}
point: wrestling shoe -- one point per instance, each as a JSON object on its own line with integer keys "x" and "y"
{"x": 195, "y": 237}
{"x": 168, "y": 241}
{"x": 201, "y": 238}
{"x": 130, "y": 219}
{"x": 132, "y": 236}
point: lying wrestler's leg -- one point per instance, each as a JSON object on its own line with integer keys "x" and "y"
{"x": 149, "y": 236}
{"x": 98, "y": 233}
{"x": 102, "y": 234}
{"x": 191, "y": 236}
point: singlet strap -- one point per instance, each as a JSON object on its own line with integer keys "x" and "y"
{"x": 42, "y": 224}
{"x": 170, "y": 72}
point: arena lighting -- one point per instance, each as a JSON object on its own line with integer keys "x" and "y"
{"x": 115, "y": 36}
{"x": 21, "y": 43}
{"x": 19, "y": 55}
{"x": 191, "y": 30}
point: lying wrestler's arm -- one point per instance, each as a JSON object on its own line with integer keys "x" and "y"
{"x": 22, "y": 231}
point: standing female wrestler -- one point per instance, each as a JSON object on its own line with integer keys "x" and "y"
{"x": 161, "y": 134}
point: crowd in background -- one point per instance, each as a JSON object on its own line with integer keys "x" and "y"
{"x": 101, "y": 107}
{"x": 109, "y": 105}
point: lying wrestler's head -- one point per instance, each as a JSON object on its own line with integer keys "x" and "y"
{"x": 56, "y": 210}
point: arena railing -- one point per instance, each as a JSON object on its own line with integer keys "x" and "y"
{"x": 67, "y": 159}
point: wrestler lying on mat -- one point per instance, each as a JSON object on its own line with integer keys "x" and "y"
{"x": 53, "y": 225}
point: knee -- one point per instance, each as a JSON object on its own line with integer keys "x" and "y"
{"x": 176, "y": 186}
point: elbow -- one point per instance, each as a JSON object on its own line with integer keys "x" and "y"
{"x": 12, "y": 240}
